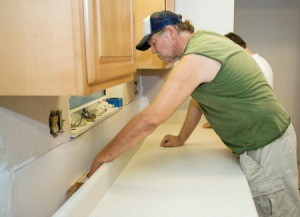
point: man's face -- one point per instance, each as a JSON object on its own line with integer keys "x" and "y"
{"x": 161, "y": 44}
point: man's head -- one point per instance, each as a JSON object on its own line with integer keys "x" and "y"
{"x": 236, "y": 39}
{"x": 155, "y": 23}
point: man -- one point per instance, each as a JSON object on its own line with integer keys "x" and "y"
{"x": 262, "y": 62}
{"x": 228, "y": 87}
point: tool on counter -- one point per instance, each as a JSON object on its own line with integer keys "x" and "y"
{"x": 116, "y": 102}
{"x": 75, "y": 186}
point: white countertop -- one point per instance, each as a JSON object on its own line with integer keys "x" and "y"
{"x": 201, "y": 178}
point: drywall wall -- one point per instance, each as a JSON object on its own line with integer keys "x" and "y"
{"x": 50, "y": 175}
{"x": 24, "y": 136}
{"x": 213, "y": 15}
{"x": 36, "y": 169}
{"x": 272, "y": 29}
{"x": 24, "y": 128}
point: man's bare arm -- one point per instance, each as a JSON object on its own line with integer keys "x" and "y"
{"x": 192, "y": 119}
{"x": 191, "y": 71}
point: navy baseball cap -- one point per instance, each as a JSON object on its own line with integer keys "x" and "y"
{"x": 154, "y": 23}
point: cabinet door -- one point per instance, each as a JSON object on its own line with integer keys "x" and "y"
{"x": 109, "y": 40}
{"x": 36, "y": 48}
{"x": 145, "y": 59}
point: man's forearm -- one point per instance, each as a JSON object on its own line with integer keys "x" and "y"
{"x": 191, "y": 121}
{"x": 131, "y": 134}
{"x": 136, "y": 129}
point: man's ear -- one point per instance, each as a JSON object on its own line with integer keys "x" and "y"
{"x": 172, "y": 30}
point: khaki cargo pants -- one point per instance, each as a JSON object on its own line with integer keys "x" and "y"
{"x": 272, "y": 175}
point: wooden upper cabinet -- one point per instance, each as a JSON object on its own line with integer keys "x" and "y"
{"x": 109, "y": 34}
{"x": 70, "y": 47}
{"x": 145, "y": 59}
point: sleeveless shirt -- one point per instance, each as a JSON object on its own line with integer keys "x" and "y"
{"x": 239, "y": 104}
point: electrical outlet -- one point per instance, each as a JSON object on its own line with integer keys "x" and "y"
{"x": 136, "y": 87}
{"x": 56, "y": 122}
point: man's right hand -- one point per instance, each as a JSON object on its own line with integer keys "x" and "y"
{"x": 170, "y": 141}
{"x": 206, "y": 125}
{"x": 95, "y": 165}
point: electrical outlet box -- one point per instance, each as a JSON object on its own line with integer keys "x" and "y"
{"x": 56, "y": 122}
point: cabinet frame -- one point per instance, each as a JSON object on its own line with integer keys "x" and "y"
{"x": 44, "y": 51}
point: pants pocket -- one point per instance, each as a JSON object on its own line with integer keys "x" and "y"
{"x": 268, "y": 197}
{"x": 267, "y": 192}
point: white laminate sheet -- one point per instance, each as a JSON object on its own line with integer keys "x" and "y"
{"x": 84, "y": 201}
{"x": 201, "y": 178}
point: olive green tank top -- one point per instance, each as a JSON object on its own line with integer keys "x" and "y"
{"x": 239, "y": 104}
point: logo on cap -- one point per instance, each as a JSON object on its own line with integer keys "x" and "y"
{"x": 154, "y": 23}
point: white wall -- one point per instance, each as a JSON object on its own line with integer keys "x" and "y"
{"x": 24, "y": 136}
{"x": 272, "y": 29}
{"x": 36, "y": 169}
{"x": 213, "y": 15}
